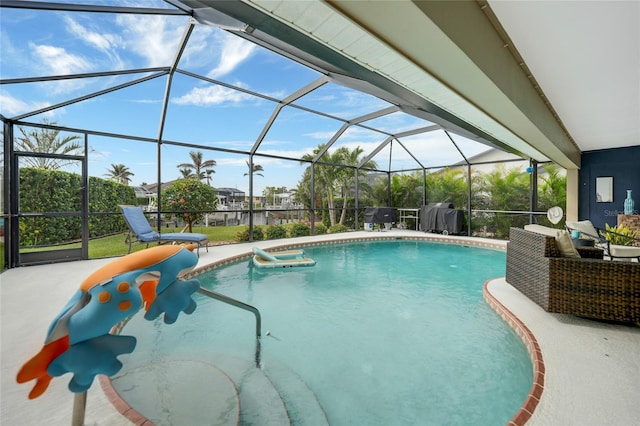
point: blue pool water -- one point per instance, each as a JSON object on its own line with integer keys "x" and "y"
{"x": 384, "y": 332}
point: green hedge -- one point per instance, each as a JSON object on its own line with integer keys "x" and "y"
{"x": 275, "y": 232}
{"x": 299, "y": 229}
{"x": 105, "y": 196}
{"x": 44, "y": 190}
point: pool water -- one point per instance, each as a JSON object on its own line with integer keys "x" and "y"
{"x": 384, "y": 332}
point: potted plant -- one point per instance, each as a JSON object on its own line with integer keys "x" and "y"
{"x": 619, "y": 235}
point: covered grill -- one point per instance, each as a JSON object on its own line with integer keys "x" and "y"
{"x": 441, "y": 217}
{"x": 386, "y": 215}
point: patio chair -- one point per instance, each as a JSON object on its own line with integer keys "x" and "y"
{"x": 613, "y": 251}
{"x": 141, "y": 231}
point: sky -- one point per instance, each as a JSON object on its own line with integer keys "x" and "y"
{"x": 200, "y": 113}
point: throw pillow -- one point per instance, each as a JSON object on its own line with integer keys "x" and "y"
{"x": 565, "y": 245}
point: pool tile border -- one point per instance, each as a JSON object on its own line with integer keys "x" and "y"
{"x": 527, "y": 337}
{"x": 445, "y": 240}
{"x": 535, "y": 393}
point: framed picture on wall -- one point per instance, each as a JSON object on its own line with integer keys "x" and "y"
{"x": 604, "y": 190}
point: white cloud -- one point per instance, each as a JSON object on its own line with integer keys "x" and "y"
{"x": 58, "y": 61}
{"x": 102, "y": 41}
{"x": 12, "y": 106}
{"x": 323, "y": 136}
{"x": 154, "y": 38}
{"x": 356, "y": 133}
{"x": 198, "y": 53}
{"x": 211, "y": 95}
{"x": 99, "y": 39}
{"x": 233, "y": 52}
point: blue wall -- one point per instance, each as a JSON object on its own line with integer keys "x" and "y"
{"x": 623, "y": 164}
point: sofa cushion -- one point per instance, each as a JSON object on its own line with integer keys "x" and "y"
{"x": 624, "y": 251}
{"x": 539, "y": 229}
{"x": 565, "y": 245}
{"x": 585, "y": 227}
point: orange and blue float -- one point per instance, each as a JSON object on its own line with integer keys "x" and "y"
{"x": 79, "y": 341}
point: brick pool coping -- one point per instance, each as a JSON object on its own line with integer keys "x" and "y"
{"x": 535, "y": 393}
{"x": 527, "y": 337}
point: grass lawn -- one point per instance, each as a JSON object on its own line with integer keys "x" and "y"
{"x": 114, "y": 245}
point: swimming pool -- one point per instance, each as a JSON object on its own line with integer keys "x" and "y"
{"x": 383, "y": 332}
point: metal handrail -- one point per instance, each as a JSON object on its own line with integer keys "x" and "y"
{"x": 230, "y": 301}
{"x": 233, "y": 302}
{"x": 80, "y": 399}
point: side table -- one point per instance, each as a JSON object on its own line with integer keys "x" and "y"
{"x": 581, "y": 242}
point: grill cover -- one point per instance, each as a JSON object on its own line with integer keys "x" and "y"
{"x": 440, "y": 217}
{"x": 380, "y": 215}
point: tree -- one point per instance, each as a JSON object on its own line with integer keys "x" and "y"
{"x": 504, "y": 190}
{"x": 303, "y": 189}
{"x": 202, "y": 168}
{"x": 406, "y": 189}
{"x": 47, "y": 141}
{"x": 346, "y": 176}
{"x": 552, "y": 190}
{"x": 325, "y": 177}
{"x": 257, "y": 168}
{"x": 209, "y": 176}
{"x": 333, "y": 178}
{"x": 186, "y": 173}
{"x": 120, "y": 173}
{"x": 190, "y": 199}
{"x": 448, "y": 186}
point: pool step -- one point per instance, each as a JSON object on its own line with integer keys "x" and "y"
{"x": 302, "y": 404}
{"x": 180, "y": 393}
{"x": 259, "y": 400}
{"x": 299, "y": 401}
{"x": 225, "y": 391}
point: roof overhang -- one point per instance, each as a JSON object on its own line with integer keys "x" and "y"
{"x": 328, "y": 40}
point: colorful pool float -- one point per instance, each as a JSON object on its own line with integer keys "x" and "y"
{"x": 78, "y": 339}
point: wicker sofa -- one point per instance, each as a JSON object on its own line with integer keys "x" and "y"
{"x": 587, "y": 287}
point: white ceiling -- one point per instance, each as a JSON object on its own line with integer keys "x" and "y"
{"x": 586, "y": 57}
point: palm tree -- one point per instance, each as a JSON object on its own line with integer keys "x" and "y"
{"x": 202, "y": 168}
{"x": 186, "y": 173}
{"x": 209, "y": 177}
{"x": 346, "y": 176}
{"x": 120, "y": 173}
{"x": 325, "y": 178}
{"x": 47, "y": 141}
{"x": 406, "y": 189}
{"x": 256, "y": 169}
{"x": 447, "y": 186}
{"x": 505, "y": 190}
{"x": 553, "y": 188}
{"x": 333, "y": 178}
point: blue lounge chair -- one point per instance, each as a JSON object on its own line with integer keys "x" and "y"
{"x": 140, "y": 230}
